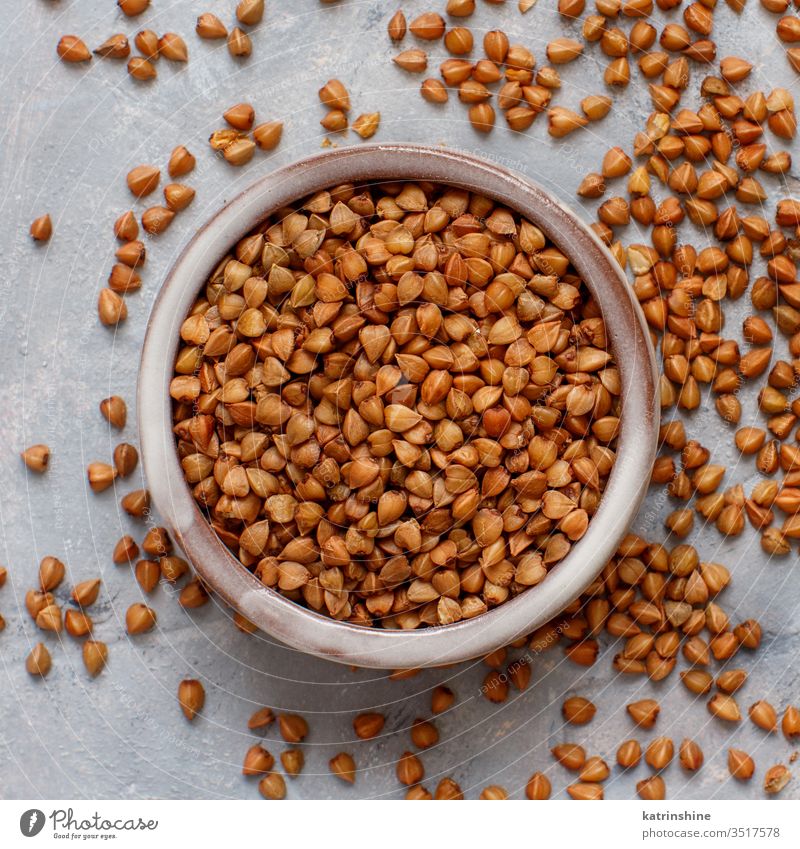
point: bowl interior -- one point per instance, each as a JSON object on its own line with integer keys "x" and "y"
{"x": 303, "y": 628}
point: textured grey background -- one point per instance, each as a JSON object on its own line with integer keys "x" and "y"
{"x": 69, "y": 135}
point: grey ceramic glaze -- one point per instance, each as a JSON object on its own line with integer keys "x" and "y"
{"x": 375, "y": 647}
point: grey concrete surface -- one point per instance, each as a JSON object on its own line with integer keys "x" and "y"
{"x": 69, "y": 135}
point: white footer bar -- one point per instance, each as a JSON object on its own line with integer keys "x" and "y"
{"x": 335, "y": 824}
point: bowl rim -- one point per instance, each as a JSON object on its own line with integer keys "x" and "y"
{"x": 304, "y": 629}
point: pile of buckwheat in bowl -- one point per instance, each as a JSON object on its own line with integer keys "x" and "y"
{"x": 395, "y": 403}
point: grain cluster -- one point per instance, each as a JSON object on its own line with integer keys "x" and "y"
{"x": 396, "y": 403}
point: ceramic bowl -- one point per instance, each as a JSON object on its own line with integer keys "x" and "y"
{"x": 302, "y": 628}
